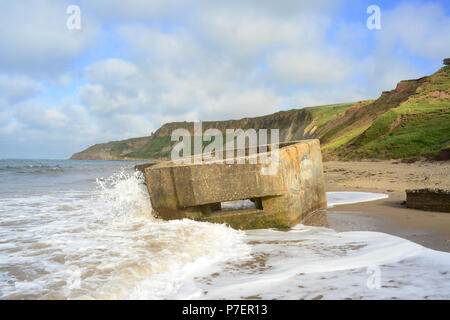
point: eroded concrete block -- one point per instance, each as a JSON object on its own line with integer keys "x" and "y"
{"x": 428, "y": 199}
{"x": 283, "y": 199}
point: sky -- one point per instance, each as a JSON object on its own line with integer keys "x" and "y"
{"x": 135, "y": 65}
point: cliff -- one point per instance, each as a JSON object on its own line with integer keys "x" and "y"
{"x": 413, "y": 120}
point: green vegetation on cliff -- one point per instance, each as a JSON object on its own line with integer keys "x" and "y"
{"x": 416, "y": 125}
{"x": 413, "y": 120}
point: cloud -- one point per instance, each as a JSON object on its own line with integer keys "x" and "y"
{"x": 241, "y": 104}
{"x": 36, "y": 116}
{"x": 154, "y": 44}
{"x": 64, "y": 80}
{"x": 113, "y": 85}
{"x": 15, "y": 88}
{"x": 35, "y": 37}
{"x": 131, "y": 125}
{"x": 388, "y": 71}
{"x": 111, "y": 71}
{"x": 422, "y": 28}
{"x": 129, "y": 10}
{"x": 247, "y": 36}
{"x": 38, "y": 130}
{"x": 102, "y": 101}
{"x": 310, "y": 67}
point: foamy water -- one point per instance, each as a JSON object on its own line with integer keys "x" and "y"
{"x": 66, "y": 235}
{"x": 337, "y": 198}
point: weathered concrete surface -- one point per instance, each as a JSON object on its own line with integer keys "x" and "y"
{"x": 142, "y": 167}
{"x": 282, "y": 199}
{"x": 428, "y": 199}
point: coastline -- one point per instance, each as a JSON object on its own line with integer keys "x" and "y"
{"x": 428, "y": 228}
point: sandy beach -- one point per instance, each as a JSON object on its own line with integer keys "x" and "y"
{"x": 430, "y": 229}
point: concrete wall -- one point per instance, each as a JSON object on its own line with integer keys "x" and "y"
{"x": 428, "y": 199}
{"x": 282, "y": 199}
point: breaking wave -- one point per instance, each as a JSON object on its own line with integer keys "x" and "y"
{"x": 32, "y": 168}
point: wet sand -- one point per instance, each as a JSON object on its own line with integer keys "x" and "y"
{"x": 430, "y": 229}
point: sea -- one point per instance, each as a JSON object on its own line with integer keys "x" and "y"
{"x": 86, "y": 230}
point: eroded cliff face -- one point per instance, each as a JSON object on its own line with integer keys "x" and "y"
{"x": 292, "y": 125}
{"x": 413, "y": 120}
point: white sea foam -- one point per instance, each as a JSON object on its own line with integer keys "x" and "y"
{"x": 313, "y": 262}
{"x": 333, "y": 199}
{"x": 105, "y": 243}
{"x": 338, "y": 198}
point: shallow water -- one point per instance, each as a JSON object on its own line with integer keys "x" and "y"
{"x": 85, "y": 230}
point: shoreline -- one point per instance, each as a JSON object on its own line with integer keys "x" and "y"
{"x": 428, "y": 228}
